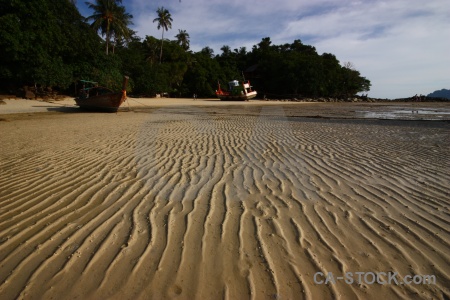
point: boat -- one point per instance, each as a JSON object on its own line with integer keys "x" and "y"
{"x": 237, "y": 91}
{"x": 95, "y": 97}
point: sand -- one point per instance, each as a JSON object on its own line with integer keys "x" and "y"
{"x": 210, "y": 200}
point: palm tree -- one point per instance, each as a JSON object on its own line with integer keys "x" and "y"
{"x": 208, "y": 51}
{"x": 164, "y": 20}
{"x": 119, "y": 28}
{"x": 109, "y": 18}
{"x": 226, "y": 50}
{"x": 183, "y": 39}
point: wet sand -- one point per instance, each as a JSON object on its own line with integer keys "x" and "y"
{"x": 211, "y": 200}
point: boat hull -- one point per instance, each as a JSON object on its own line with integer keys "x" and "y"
{"x": 103, "y": 99}
{"x": 242, "y": 97}
{"x": 108, "y": 102}
{"x": 236, "y": 91}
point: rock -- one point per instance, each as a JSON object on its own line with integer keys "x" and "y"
{"x": 29, "y": 95}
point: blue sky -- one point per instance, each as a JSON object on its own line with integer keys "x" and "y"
{"x": 401, "y": 46}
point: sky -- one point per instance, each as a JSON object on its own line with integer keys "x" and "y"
{"x": 401, "y": 46}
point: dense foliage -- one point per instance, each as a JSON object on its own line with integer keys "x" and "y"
{"x": 48, "y": 43}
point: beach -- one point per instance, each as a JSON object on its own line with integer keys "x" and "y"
{"x": 184, "y": 199}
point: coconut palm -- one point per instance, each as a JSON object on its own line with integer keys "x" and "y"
{"x": 208, "y": 51}
{"x": 226, "y": 50}
{"x": 119, "y": 28}
{"x": 109, "y": 18}
{"x": 183, "y": 39}
{"x": 164, "y": 20}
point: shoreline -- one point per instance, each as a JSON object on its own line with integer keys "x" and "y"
{"x": 430, "y": 111}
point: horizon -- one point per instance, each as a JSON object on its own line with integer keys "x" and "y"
{"x": 390, "y": 45}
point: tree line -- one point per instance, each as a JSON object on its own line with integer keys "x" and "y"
{"x": 49, "y": 43}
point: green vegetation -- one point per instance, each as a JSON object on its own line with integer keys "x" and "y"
{"x": 48, "y": 43}
{"x": 110, "y": 19}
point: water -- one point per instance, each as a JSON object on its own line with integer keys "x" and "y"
{"x": 407, "y": 114}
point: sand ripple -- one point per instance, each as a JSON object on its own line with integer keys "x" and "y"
{"x": 183, "y": 202}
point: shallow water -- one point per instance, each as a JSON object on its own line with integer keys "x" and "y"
{"x": 407, "y": 114}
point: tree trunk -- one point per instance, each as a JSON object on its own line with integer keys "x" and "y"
{"x": 162, "y": 41}
{"x": 107, "y": 38}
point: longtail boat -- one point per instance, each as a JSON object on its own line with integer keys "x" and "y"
{"x": 94, "y": 97}
{"x": 236, "y": 91}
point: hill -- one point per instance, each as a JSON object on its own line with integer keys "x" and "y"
{"x": 444, "y": 93}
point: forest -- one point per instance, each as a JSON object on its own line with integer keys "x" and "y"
{"x": 50, "y": 44}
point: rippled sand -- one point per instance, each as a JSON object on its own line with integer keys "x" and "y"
{"x": 236, "y": 202}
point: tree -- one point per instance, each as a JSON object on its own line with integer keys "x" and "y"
{"x": 226, "y": 51}
{"x": 351, "y": 80}
{"x": 164, "y": 20}
{"x": 202, "y": 76}
{"x": 183, "y": 39}
{"x": 208, "y": 51}
{"x": 110, "y": 18}
{"x": 151, "y": 49}
{"x": 228, "y": 63}
{"x": 37, "y": 48}
{"x": 37, "y": 44}
{"x": 119, "y": 28}
{"x": 349, "y": 65}
{"x": 331, "y": 73}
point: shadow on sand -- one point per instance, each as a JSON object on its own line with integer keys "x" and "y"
{"x": 76, "y": 109}
{"x": 64, "y": 109}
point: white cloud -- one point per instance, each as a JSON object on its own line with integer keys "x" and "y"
{"x": 400, "y": 46}
{"x": 408, "y": 55}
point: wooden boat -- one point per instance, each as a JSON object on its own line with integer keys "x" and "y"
{"x": 237, "y": 91}
{"x": 94, "y": 97}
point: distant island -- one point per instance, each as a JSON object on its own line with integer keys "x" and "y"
{"x": 444, "y": 93}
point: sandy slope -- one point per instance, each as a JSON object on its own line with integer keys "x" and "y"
{"x": 209, "y": 202}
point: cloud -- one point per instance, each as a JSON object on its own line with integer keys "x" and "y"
{"x": 401, "y": 46}
{"x": 401, "y": 49}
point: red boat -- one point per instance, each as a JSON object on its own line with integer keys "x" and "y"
{"x": 236, "y": 91}
{"x": 100, "y": 98}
